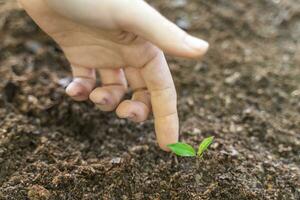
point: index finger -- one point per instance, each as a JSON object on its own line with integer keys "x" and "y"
{"x": 160, "y": 84}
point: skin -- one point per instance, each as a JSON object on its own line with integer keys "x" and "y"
{"x": 123, "y": 41}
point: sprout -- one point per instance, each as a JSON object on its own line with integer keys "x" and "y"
{"x": 186, "y": 150}
{"x": 182, "y": 149}
{"x": 204, "y": 145}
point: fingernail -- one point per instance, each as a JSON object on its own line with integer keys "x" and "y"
{"x": 72, "y": 90}
{"x": 103, "y": 102}
{"x": 132, "y": 116}
{"x": 196, "y": 43}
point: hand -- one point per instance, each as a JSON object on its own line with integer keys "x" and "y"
{"x": 123, "y": 40}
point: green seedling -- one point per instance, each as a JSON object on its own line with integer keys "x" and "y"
{"x": 186, "y": 150}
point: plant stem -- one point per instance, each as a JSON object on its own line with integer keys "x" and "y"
{"x": 197, "y": 162}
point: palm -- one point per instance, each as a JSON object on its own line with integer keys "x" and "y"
{"x": 86, "y": 46}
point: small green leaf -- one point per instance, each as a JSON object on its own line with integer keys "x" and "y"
{"x": 204, "y": 145}
{"x": 182, "y": 149}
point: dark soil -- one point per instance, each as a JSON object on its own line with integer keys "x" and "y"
{"x": 246, "y": 93}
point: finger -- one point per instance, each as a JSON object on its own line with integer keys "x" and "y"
{"x": 138, "y": 108}
{"x": 114, "y": 87}
{"x": 89, "y": 12}
{"x": 83, "y": 83}
{"x": 163, "y": 99}
{"x": 140, "y": 19}
{"x": 148, "y": 23}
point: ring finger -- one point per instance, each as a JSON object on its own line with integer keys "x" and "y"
{"x": 114, "y": 86}
{"x": 139, "y": 107}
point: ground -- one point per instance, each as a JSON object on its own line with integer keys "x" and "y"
{"x": 245, "y": 92}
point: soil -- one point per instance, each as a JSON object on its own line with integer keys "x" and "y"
{"x": 245, "y": 92}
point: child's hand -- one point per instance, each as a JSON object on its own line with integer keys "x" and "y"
{"x": 124, "y": 41}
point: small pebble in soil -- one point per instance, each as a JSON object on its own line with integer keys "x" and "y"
{"x": 214, "y": 145}
{"x": 178, "y": 3}
{"x": 34, "y": 47}
{"x": 201, "y": 66}
{"x": 232, "y": 79}
{"x": 190, "y": 101}
{"x": 139, "y": 149}
{"x": 64, "y": 82}
{"x": 183, "y": 23}
{"x": 197, "y": 131}
{"x": 296, "y": 93}
{"x": 232, "y": 152}
{"x": 116, "y": 160}
{"x": 198, "y": 178}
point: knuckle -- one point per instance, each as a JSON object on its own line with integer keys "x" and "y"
{"x": 126, "y": 38}
{"x": 168, "y": 97}
{"x": 150, "y": 53}
{"x": 169, "y": 114}
{"x": 139, "y": 53}
{"x": 166, "y": 92}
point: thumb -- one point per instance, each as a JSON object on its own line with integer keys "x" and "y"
{"x": 148, "y": 23}
{"x": 134, "y": 16}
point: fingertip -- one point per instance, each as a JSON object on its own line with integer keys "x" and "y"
{"x": 164, "y": 146}
{"x": 99, "y": 96}
{"x": 197, "y": 47}
{"x": 102, "y": 99}
{"x": 122, "y": 110}
{"x": 133, "y": 110}
{"x": 167, "y": 131}
{"x": 77, "y": 91}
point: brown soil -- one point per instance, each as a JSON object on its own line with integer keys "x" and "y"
{"x": 246, "y": 93}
